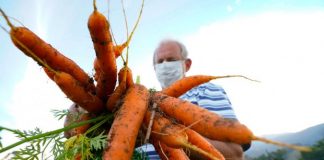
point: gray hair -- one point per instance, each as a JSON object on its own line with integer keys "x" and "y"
{"x": 183, "y": 49}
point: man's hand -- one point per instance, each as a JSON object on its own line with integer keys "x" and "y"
{"x": 231, "y": 151}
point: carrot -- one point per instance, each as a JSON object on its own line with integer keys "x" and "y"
{"x": 47, "y": 56}
{"x": 118, "y": 50}
{"x": 199, "y": 141}
{"x": 49, "y": 73}
{"x": 103, "y": 45}
{"x": 163, "y": 130}
{"x": 171, "y": 134}
{"x": 123, "y": 132}
{"x": 183, "y": 85}
{"x": 211, "y": 125}
{"x": 36, "y": 48}
{"x": 125, "y": 81}
{"x": 74, "y": 91}
{"x": 208, "y": 124}
{"x": 126, "y": 73}
{"x": 168, "y": 153}
{"x": 76, "y": 114}
{"x": 116, "y": 96}
{"x": 97, "y": 69}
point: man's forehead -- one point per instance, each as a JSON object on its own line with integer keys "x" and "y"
{"x": 169, "y": 47}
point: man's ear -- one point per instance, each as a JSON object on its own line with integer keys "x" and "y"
{"x": 188, "y": 64}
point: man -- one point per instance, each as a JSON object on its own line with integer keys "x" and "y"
{"x": 171, "y": 62}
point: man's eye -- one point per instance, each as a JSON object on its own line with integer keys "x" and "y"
{"x": 160, "y": 61}
{"x": 171, "y": 60}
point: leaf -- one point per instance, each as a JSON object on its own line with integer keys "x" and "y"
{"x": 0, "y": 143}
{"x": 99, "y": 142}
{"x": 59, "y": 114}
{"x": 36, "y": 148}
{"x": 138, "y": 79}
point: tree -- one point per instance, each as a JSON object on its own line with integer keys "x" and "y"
{"x": 317, "y": 152}
{"x": 276, "y": 155}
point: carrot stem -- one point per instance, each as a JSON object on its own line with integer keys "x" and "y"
{"x": 7, "y": 19}
{"x": 199, "y": 150}
{"x": 291, "y": 146}
{"x": 163, "y": 151}
{"x": 229, "y": 76}
{"x": 94, "y": 5}
{"x": 136, "y": 24}
{"x": 69, "y": 127}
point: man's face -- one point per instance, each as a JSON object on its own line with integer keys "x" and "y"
{"x": 168, "y": 52}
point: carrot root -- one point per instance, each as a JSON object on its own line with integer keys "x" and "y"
{"x": 295, "y": 147}
{"x": 167, "y": 153}
{"x": 126, "y": 125}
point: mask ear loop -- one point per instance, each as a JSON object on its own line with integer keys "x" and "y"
{"x": 184, "y": 68}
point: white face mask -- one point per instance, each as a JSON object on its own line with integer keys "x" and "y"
{"x": 169, "y": 72}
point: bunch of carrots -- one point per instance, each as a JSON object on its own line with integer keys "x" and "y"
{"x": 170, "y": 124}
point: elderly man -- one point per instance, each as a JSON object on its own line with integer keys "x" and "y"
{"x": 171, "y": 63}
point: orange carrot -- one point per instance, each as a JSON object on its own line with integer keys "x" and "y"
{"x": 183, "y": 85}
{"x": 125, "y": 81}
{"x": 49, "y": 73}
{"x": 163, "y": 130}
{"x": 168, "y": 153}
{"x": 118, "y": 50}
{"x": 116, "y": 96}
{"x": 208, "y": 124}
{"x": 123, "y": 132}
{"x": 103, "y": 45}
{"x": 171, "y": 134}
{"x": 74, "y": 91}
{"x": 199, "y": 141}
{"x": 126, "y": 73}
{"x": 97, "y": 70}
{"x": 27, "y": 42}
{"x": 47, "y": 56}
{"x": 211, "y": 125}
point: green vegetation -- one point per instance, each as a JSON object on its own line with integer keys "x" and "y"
{"x": 317, "y": 152}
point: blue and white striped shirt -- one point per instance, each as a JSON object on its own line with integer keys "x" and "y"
{"x": 212, "y": 97}
{"x": 208, "y": 95}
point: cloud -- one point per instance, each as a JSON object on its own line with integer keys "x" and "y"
{"x": 32, "y": 101}
{"x": 281, "y": 49}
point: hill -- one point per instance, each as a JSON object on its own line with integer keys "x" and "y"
{"x": 308, "y": 137}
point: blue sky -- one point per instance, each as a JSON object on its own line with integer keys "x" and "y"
{"x": 278, "y": 42}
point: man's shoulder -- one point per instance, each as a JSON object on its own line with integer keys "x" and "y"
{"x": 203, "y": 89}
{"x": 209, "y": 86}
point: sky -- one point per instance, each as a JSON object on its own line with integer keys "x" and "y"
{"x": 278, "y": 42}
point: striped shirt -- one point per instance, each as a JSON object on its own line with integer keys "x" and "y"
{"x": 208, "y": 95}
